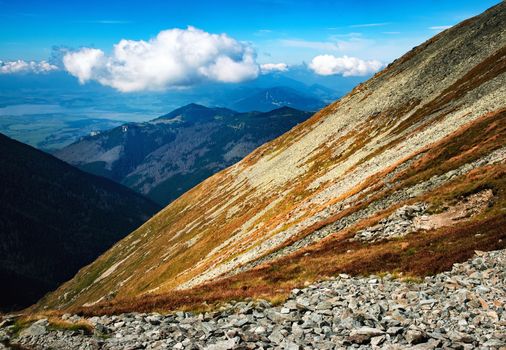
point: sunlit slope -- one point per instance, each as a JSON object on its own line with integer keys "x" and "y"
{"x": 288, "y": 191}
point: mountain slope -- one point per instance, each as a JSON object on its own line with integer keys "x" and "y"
{"x": 267, "y": 99}
{"x": 54, "y": 219}
{"x": 169, "y": 155}
{"x": 378, "y": 181}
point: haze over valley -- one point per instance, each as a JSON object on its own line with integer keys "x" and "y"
{"x": 270, "y": 174}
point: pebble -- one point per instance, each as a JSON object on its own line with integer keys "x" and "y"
{"x": 451, "y": 310}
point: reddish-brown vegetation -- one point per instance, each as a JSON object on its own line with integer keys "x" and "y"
{"x": 418, "y": 254}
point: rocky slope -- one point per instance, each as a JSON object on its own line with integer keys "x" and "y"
{"x": 460, "y": 309}
{"x": 427, "y": 131}
{"x": 167, "y": 156}
{"x": 55, "y": 219}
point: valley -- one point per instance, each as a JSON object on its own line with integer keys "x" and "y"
{"x": 54, "y": 220}
{"x": 376, "y": 222}
{"x": 167, "y": 156}
{"x": 403, "y": 137}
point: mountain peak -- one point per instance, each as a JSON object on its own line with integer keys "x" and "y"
{"x": 283, "y": 110}
{"x": 196, "y": 112}
{"x": 191, "y": 106}
{"x": 269, "y": 98}
{"x": 365, "y": 186}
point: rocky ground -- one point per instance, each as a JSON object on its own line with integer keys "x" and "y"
{"x": 412, "y": 218}
{"x": 399, "y": 224}
{"x": 460, "y": 309}
{"x": 406, "y": 219}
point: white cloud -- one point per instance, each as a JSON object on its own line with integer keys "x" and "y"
{"x": 21, "y": 66}
{"x": 174, "y": 58}
{"x": 439, "y": 28}
{"x": 82, "y": 63}
{"x": 346, "y": 66}
{"x": 308, "y": 44}
{"x": 351, "y": 43}
{"x": 368, "y": 25}
{"x": 273, "y": 67}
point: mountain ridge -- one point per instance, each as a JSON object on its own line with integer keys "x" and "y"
{"x": 167, "y": 156}
{"x": 202, "y": 111}
{"x": 265, "y": 100}
{"x": 54, "y": 220}
{"x": 426, "y": 132}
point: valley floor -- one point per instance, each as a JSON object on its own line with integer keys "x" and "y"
{"x": 460, "y": 309}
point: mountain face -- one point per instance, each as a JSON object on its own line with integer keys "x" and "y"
{"x": 54, "y": 219}
{"x": 169, "y": 155}
{"x": 267, "y": 99}
{"x": 405, "y": 174}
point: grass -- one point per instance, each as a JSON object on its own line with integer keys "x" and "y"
{"x": 412, "y": 257}
{"x": 55, "y": 323}
{"x": 467, "y": 144}
{"x": 19, "y": 325}
{"x": 412, "y": 280}
{"x": 427, "y": 253}
{"x": 79, "y": 326}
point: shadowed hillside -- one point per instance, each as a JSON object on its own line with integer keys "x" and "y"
{"x": 167, "y": 156}
{"x": 54, "y": 219}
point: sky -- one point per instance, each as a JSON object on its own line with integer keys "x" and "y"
{"x": 152, "y": 45}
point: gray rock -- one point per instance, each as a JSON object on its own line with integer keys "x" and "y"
{"x": 276, "y": 337}
{"x": 394, "y": 330}
{"x": 375, "y": 341}
{"x": 415, "y": 336}
{"x": 36, "y": 329}
{"x": 460, "y": 337}
{"x": 336, "y": 313}
{"x": 364, "y": 334}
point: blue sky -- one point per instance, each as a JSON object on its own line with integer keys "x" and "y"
{"x": 276, "y": 31}
{"x": 28, "y": 29}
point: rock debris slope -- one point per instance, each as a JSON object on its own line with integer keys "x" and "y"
{"x": 460, "y": 309}
{"x": 428, "y": 131}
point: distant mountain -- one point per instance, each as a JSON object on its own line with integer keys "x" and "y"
{"x": 52, "y": 111}
{"x": 169, "y": 155}
{"x": 267, "y": 99}
{"x": 55, "y": 219}
{"x": 324, "y": 93}
{"x": 403, "y": 177}
{"x": 52, "y": 131}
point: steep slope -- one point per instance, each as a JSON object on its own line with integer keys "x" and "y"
{"x": 54, "y": 219}
{"x": 169, "y": 155}
{"x": 375, "y": 182}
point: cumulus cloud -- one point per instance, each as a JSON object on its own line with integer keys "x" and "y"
{"x": 439, "y": 28}
{"x": 174, "y": 58}
{"x": 82, "y": 63}
{"x": 273, "y": 67}
{"x": 313, "y": 45}
{"x": 21, "y": 66}
{"x": 346, "y": 66}
{"x": 368, "y": 25}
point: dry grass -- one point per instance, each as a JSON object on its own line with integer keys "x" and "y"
{"x": 415, "y": 255}
{"x": 54, "y": 323}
